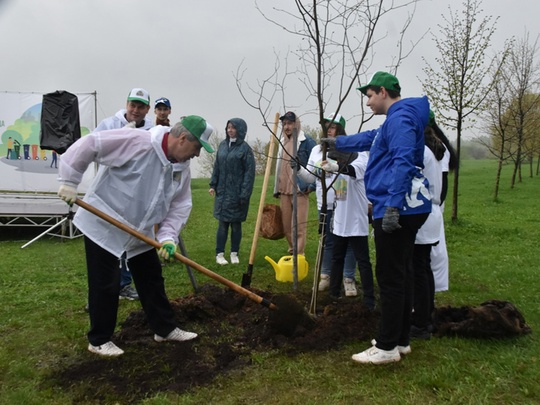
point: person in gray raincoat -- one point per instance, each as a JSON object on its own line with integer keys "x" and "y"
{"x": 231, "y": 185}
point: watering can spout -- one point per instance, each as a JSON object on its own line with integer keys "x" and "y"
{"x": 272, "y": 262}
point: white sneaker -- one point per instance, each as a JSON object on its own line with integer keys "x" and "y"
{"x": 374, "y": 355}
{"x": 403, "y": 350}
{"x": 107, "y": 349}
{"x": 220, "y": 259}
{"x": 350, "y": 287}
{"x": 177, "y": 335}
{"x": 324, "y": 284}
{"x": 234, "y": 258}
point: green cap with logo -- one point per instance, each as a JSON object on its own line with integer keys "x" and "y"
{"x": 200, "y": 129}
{"x": 140, "y": 95}
{"x": 382, "y": 79}
{"x": 336, "y": 119}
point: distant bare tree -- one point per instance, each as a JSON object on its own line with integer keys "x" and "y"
{"x": 260, "y": 151}
{"x": 522, "y": 78}
{"x": 207, "y": 160}
{"x": 513, "y": 110}
{"x": 498, "y": 130}
{"x": 456, "y": 82}
{"x": 316, "y": 133}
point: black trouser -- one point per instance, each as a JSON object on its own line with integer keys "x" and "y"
{"x": 394, "y": 272}
{"x": 360, "y": 249}
{"x": 104, "y": 286}
{"x": 424, "y": 286}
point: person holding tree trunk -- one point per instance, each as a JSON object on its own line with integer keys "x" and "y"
{"x": 335, "y": 125}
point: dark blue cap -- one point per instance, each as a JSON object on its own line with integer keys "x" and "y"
{"x": 162, "y": 100}
{"x": 289, "y": 116}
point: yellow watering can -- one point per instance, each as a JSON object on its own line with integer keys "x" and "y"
{"x": 284, "y": 268}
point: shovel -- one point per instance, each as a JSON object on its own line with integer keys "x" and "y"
{"x": 246, "y": 277}
{"x": 235, "y": 287}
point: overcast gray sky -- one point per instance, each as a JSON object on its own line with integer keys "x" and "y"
{"x": 187, "y": 50}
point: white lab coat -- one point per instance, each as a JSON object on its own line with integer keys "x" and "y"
{"x": 351, "y": 212}
{"x": 430, "y": 231}
{"x": 439, "y": 254}
{"x": 136, "y": 184}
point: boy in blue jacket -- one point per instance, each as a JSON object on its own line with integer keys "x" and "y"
{"x": 398, "y": 190}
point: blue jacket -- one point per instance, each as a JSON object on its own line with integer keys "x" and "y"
{"x": 233, "y": 176}
{"x": 394, "y": 176}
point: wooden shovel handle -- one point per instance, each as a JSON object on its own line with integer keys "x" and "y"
{"x": 267, "y": 172}
{"x": 235, "y": 287}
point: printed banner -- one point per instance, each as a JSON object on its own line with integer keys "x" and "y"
{"x": 24, "y": 166}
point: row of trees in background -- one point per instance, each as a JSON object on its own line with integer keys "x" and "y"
{"x": 466, "y": 86}
{"x": 512, "y": 112}
{"x": 500, "y": 93}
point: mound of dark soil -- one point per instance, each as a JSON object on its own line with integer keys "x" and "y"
{"x": 493, "y": 319}
{"x": 230, "y": 328}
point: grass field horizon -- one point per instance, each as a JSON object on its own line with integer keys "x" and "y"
{"x": 493, "y": 250}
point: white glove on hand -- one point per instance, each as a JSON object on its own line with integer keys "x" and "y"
{"x": 131, "y": 124}
{"x": 67, "y": 193}
{"x": 329, "y": 166}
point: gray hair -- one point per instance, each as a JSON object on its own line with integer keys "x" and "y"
{"x": 178, "y": 129}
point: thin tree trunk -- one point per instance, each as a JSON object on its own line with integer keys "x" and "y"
{"x": 514, "y": 174}
{"x": 498, "y": 180}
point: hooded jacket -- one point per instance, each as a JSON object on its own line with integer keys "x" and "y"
{"x": 233, "y": 175}
{"x": 394, "y": 176}
{"x": 136, "y": 185}
{"x": 118, "y": 120}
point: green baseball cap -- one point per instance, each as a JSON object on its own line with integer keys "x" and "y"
{"x": 431, "y": 121}
{"x": 382, "y": 79}
{"x": 336, "y": 119}
{"x": 200, "y": 129}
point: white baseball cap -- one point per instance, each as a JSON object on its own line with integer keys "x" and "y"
{"x": 139, "y": 95}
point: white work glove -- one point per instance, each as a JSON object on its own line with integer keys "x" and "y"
{"x": 167, "y": 250}
{"x": 329, "y": 166}
{"x": 67, "y": 193}
{"x": 131, "y": 124}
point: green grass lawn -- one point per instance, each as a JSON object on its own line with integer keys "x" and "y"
{"x": 493, "y": 253}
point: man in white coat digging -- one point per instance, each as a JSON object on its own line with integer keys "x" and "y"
{"x": 144, "y": 179}
{"x": 137, "y": 106}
